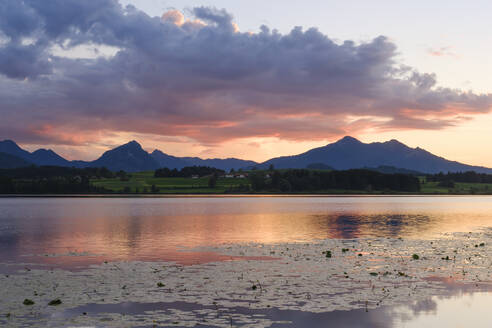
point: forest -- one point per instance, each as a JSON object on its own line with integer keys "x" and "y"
{"x": 303, "y": 180}
{"x": 51, "y": 180}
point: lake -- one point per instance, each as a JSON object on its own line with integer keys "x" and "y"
{"x": 73, "y": 234}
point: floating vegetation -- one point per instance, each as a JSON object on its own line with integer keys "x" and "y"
{"x": 327, "y": 254}
{"x": 298, "y": 278}
{"x": 28, "y": 302}
{"x": 55, "y": 302}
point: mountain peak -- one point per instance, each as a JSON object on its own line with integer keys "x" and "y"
{"x": 157, "y": 152}
{"x": 43, "y": 150}
{"x": 9, "y": 143}
{"x": 394, "y": 142}
{"x": 347, "y": 140}
{"x": 132, "y": 145}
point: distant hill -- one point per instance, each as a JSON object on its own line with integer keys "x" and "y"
{"x": 347, "y": 153}
{"x": 129, "y": 157}
{"x": 226, "y": 164}
{"x": 165, "y": 160}
{"x": 8, "y": 161}
{"x": 393, "y": 170}
{"x": 350, "y": 153}
{"x": 38, "y": 157}
{"x": 319, "y": 166}
{"x": 11, "y": 148}
{"x": 48, "y": 157}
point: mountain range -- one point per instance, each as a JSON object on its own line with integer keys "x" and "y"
{"x": 130, "y": 157}
{"x": 347, "y": 153}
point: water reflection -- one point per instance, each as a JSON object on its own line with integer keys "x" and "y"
{"x": 461, "y": 307}
{"x": 349, "y": 226}
{"x": 155, "y": 229}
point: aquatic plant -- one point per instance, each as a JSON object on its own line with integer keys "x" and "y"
{"x": 55, "y": 302}
{"x": 28, "y": 302}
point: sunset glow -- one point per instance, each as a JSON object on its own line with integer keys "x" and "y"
{"x": 199, "y": 80}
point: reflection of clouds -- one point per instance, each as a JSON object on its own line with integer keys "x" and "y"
{"x": 128, "y": 229}
{"x": 348, "y": 226}
{"x": 456, "y": 293}
{"x": 424, "y": 306}
{"x": 386, "y": 316}
{"x": 383, "y": 317}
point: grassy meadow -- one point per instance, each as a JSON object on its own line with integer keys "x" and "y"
{"x": 142, "y": 182}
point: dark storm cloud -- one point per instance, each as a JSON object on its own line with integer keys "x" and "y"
{"x": 202, "y": 78}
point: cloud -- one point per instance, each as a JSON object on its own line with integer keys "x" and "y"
{"x": 442, "y": 52}
{"x": 199, "y": 77}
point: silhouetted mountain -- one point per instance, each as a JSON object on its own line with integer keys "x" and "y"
{"x": 8, "y": 161}
{"x": 48, "y": 157}
{"x": 39, "y": 157}
{"x": 10, "y": 147}
{"x": 319, "y": 166}
{"x": 224, "y": 164}
{"x": 129, "y": 157}
{"x": 165, "y": 160}
{"x": 172, "y": 162}
{"x": 350, "y": 153}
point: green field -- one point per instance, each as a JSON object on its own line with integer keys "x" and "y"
{"x": 142, "y": 182}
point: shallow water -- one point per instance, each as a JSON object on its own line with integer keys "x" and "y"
{"x": 155, "y": 228}
{"x": 458, "y": 309}
{"x": 71, "y": 233}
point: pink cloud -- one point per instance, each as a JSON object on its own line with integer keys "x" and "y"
{"x": 202, "y": 79}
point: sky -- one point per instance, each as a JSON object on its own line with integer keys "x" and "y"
{"x": 248, "y": 79}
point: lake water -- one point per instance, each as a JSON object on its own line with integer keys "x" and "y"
{"x": 162, "y": 229}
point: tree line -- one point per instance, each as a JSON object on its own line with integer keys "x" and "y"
{"x": 467, "y": 177}
{"x": 303, "y": 180}
{"x": 51, "y": 180}
{"x": 187, "y": 172}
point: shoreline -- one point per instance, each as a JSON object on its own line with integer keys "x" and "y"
{"x": 266, "y": 195}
